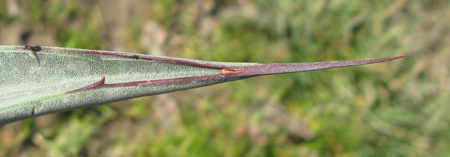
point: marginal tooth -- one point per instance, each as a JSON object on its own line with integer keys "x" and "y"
{"x": 34, "y": 49}
{"x": 95, "y": 85}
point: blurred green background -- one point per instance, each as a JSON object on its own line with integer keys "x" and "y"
{"x": 399, "y": 108}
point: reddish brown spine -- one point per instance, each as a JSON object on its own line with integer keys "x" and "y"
{"x": 231, "y": 72}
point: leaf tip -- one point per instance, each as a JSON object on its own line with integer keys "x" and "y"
{"x": 398, "y": 57}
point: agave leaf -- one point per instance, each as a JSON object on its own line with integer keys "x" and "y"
{"x": 38, "y": 80}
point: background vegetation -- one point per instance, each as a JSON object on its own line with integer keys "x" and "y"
{"x": 398, "y": 108}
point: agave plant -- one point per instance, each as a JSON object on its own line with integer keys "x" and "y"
{"x": 37, "y": 80}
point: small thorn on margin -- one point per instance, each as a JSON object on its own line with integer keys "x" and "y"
{"x": 95, "y": 85}
{"x": 34, "y": 48}
{"x": 33, "y": 112}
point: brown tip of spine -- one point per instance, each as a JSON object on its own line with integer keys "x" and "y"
{"x": 394, "y": 58}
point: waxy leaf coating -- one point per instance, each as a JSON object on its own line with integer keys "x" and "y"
{"x": 37, "y": 80}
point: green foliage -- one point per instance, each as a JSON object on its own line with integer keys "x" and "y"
{"x": 393, "y": 109}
